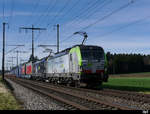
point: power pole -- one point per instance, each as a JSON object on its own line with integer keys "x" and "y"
{"x": 33, "y": 29}
{"x": 57, "y": 38}
{"x": 32, "y": 42}
{"x": 3, "y": 57}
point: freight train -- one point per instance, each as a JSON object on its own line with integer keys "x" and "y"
{"x": 79, "y": 64}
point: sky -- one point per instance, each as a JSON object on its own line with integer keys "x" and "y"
{"x": 119, "y": 26}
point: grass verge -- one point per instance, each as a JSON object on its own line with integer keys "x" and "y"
{"x": 138, "y": 84}
{"x": 7, "y": 100}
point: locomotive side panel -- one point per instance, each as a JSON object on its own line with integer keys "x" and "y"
{"x": 58, "y": 65}
{"x": 41, "y": 67}
{"x": 35, "y": 70}
{"x": 38, "y": 69}
{"x": 49, "y": 66}
{"x": 75, "y": 60}
{"x": 16, "y": 71}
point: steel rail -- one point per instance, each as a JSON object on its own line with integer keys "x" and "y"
{"x": 118, "y": 106}
{"x": 70, "y": 103}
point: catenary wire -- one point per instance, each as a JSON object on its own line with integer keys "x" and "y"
{"x": 101, "y": 19}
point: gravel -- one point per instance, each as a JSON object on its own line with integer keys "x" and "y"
{"x": 115, "y": 100}
{"x": 32, "y": 100}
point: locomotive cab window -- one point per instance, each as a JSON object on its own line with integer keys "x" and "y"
{"x": 92, "y": 53}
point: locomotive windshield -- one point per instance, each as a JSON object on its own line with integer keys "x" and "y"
{"x": 92, "y": 53}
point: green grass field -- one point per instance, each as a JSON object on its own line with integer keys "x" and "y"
{"x": 142, "y": 74}
{"x": 136, "y": 82}
{"x": 7, "y": 100}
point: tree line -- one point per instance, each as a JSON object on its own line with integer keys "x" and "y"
{"x": 127, "y": 63}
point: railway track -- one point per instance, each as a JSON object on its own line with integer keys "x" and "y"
{"x": 126, "y": 95}
{"x": 140, "y": 99}
{"x": 134, "y": 96}
{"x": 72, "y": 100}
